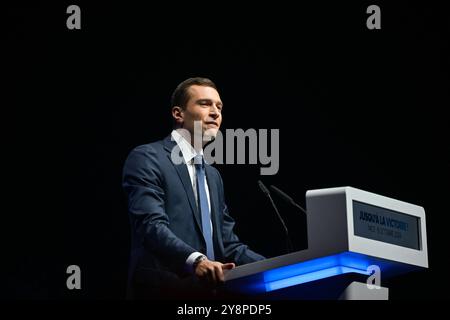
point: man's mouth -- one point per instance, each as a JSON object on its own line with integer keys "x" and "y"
{"x": 213, "y": 123}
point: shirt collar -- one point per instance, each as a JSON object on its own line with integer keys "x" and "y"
{"x": 186, "y": 148}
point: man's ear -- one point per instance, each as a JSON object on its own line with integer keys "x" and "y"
{"x": 178, "y": 115}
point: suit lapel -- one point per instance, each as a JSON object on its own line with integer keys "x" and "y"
{"x": 185, "y": 179}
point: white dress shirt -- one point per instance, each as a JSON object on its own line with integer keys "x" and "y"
{"x": 188, "y": 155}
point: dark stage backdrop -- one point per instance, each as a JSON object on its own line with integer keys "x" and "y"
{"x": 355, "y": 107}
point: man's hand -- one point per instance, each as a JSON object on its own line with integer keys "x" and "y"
{"x": 211, "y": 272}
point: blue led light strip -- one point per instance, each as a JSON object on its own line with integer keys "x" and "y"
{"x": 312, "y": 276}
{"x": 315, "y": 270}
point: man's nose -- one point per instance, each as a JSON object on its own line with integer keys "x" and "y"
{"x": 214, "y": 111}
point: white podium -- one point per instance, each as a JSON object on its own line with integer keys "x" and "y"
{"x": 351, "y": 233}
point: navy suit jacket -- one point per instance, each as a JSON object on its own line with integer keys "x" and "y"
{"x": 165, "y": 221}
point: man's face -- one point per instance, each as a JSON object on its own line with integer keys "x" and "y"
{"x": 204, "y": 105}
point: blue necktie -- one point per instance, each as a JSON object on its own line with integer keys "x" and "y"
{"x": 203, "y": 206}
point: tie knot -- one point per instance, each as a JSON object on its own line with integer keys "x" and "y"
{"x": 198, "y": 160}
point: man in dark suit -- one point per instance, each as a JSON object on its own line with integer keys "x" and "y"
{"x": 182, "y": 233}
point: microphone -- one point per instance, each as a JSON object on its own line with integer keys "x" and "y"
{"x": 267, "y": 193}
{"x": 286, "y": 198}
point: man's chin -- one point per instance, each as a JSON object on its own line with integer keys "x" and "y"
{"x": 210, "y": 134}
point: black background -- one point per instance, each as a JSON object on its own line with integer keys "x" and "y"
{"x": 355, "y": 107}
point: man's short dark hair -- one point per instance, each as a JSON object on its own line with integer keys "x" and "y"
{"x": 180, "y": 96}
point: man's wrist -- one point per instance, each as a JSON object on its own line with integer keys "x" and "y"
{"x": 190, "y": 261}
{"x": 197, "y": 261}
